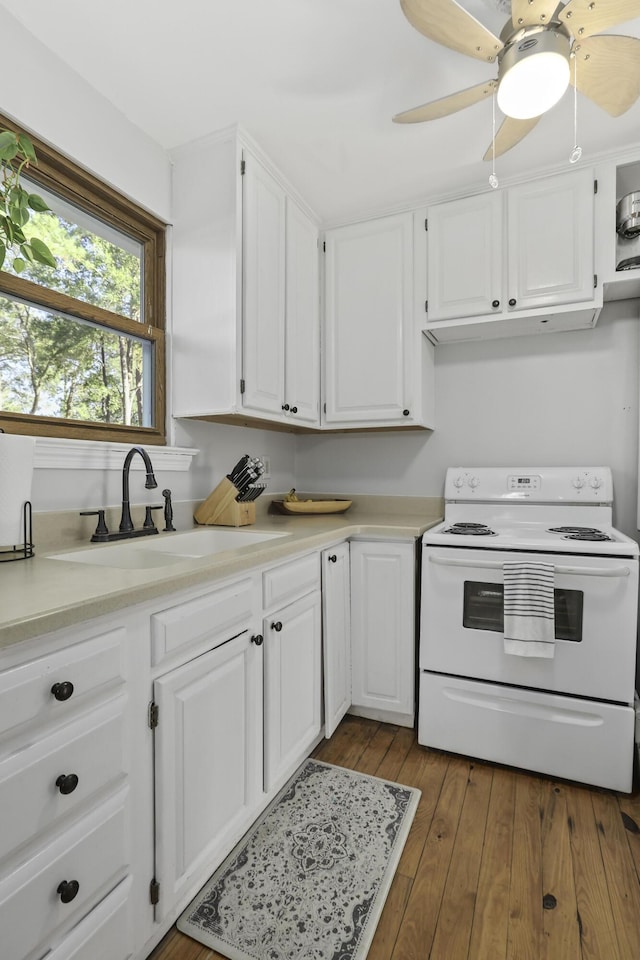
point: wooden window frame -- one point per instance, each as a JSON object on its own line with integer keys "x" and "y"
{"x": 62, "y": 176}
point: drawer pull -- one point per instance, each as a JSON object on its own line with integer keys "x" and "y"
{"x": 68, "y": 890}
{"x": 332, "y": 558}
{"x": 258, "y": 639}
{"x": 277, "y": 626}
{"x": 67, "y": 782}
{"x": 62, "y": 691}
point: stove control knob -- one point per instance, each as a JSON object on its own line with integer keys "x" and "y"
{"x": 473, "y": 482}
{"x": 578, "y": 483}
{"x": 458, "y": 482}
{"x": 595, "y": 482}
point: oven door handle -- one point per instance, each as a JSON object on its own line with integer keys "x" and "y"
{"x": 496, "y": 565}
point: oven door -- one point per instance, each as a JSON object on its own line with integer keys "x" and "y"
{"x": 595, "y": 617}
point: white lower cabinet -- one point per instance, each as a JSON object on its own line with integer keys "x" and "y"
{"x": 292, "y": 686}
{"x": 336, "y": 635}
{"x": 208, "y": 753}
{"x": 138, "y": 749}
{"x": 68, "y": 863}
{"x": 104, "y": 934}
{"x": 383, "y": 629}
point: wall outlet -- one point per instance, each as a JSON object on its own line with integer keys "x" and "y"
{"x": 267, "y": 467}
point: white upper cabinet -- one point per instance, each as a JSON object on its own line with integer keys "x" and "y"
{"x": 465, "y": 257}
{"x": 377, "y": 368}
{"x": 263, "y": 236}
{"x": 245, "y": 288}
{"x": 302, "y": 328}
{"x": 514, "y": 261}
{"x": 550, "y": 231}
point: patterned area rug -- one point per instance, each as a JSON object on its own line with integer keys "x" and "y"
{"x": 309, "y": 880}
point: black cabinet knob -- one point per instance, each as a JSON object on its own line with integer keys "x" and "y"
{"x": 62, "y": 691}
{"x": 495, "y": 304}
{"x": 294, "y": 409}
{"x": 277, "y": 626}
{"x": 68, "y": 890}
{"x": 66, "y": 783}
{"x": 332, "y": 558}
{"x": 405, "y": 413}
{"x": 512, "y": 302}
{"x": 285, "y": 406}
{"x": 258, "y": 639}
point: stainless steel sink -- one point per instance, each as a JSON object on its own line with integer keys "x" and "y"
{"x": 162, "y": 551}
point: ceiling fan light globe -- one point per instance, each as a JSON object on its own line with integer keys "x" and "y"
{"x": 533, "y": 85}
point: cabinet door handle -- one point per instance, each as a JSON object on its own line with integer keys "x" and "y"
{"x": 285, "y": 406}
{"x": 332, "y": 558}
{"x": 63, "y": 690}
{"x": 66, "y": 783}
{"x": 512, "y": 302}
{"x": 68, "y": 890}
{"x": 495, "y": 304}
{"x": 258, "y": 639}
{"x": 405, "y": 413}
{"x": 277, "y": 626}
{"x": 294, "y": 409}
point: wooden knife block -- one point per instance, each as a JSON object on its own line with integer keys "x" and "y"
{"x": 221, "y": 508}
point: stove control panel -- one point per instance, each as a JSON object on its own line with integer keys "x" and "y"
{"x": 592, "y": 485}
{"x": 524, "y": 484}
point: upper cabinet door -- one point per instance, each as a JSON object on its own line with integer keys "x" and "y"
{"x": 369, "y": 321}
{"x": 551, "y": 240}
{"x": 302, "y": 336}
{"x": 465, "y": 257}
{"x": 263, "y": 235}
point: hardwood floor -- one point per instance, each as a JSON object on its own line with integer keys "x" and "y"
{"x": 499, "y": 864}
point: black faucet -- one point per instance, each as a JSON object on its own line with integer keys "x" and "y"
{"x": 102, "y": 534}
{"x": 126, "y": 523}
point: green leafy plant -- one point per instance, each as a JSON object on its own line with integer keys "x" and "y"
{"x": 16, "y": 204}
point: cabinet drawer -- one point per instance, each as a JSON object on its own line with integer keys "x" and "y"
{"x": 92, "y": 853}
{"x": 26, "y": 692}
{"x": 91, "y": 749}
{"x": 211, "y": 618}
{"x": 104, "y": 934}
{"x": 291, "y": 580}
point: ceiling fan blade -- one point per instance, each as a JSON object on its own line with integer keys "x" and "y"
{"x": 526, "y": 13}
{"x": 449, "y": 24}
{"x": 510, "y": 133}
{"x": 447, "y": 105}
{"x": 586, "y": 17}
{"x": 608, "y": 71}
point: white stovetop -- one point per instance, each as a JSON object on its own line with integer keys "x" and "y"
{"x": 536, "y": 536}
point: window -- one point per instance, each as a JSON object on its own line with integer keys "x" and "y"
{"x": 82, "y": 345}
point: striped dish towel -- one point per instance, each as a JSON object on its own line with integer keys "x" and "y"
{"x": 529, "y": 622}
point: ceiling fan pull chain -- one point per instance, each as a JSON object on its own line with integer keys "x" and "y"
{"x": 576, "y": 153}
{"x": 493, "y": 180}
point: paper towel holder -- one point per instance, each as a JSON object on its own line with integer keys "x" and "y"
{"x": 25, "y": 550}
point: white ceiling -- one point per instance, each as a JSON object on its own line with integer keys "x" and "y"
{"x": 316, "y": 83}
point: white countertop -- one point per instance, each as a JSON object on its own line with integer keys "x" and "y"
{"x": 40, "y": 594}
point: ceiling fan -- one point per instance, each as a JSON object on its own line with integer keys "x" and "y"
{"x": 543, "y": 47}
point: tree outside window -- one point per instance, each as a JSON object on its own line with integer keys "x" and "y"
{"x": 82, "y": 344}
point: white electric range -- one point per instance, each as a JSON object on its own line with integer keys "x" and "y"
{"x": 570, "y": 715}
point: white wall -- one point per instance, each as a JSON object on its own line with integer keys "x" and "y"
{"x": 550, "y": 399}
{"x": 43, "y": 94}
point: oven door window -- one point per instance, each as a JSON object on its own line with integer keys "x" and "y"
{"x": 484, "y": 610}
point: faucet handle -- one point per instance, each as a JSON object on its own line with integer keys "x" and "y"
{"x": 148, "y": 519}
{"x": 102, "y": 531}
